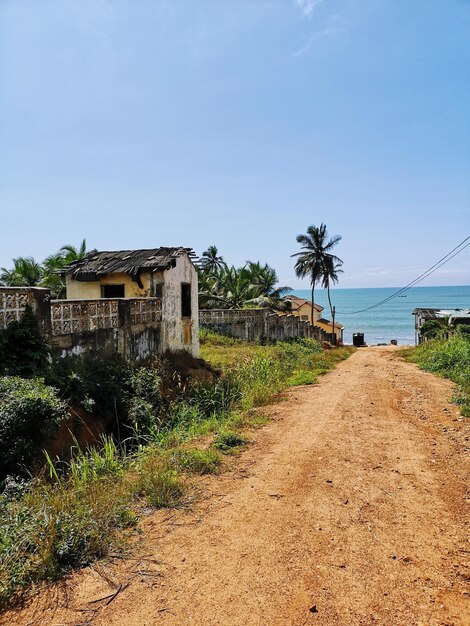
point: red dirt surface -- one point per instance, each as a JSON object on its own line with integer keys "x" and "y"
{"x": 349, "y": 508}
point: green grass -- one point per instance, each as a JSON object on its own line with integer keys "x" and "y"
{"x": 228, "y": 440}
{"x": 79, "y": 511}
{"x": 450, "y": 359}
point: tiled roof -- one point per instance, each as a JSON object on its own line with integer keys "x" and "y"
{"x": 325, "y": 321}
{"x": 298, "y": 302}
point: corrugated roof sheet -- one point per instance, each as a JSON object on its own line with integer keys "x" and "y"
{"x": 95, "y": 264}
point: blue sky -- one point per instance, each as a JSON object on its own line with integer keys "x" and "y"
{"x": 140, "y": 123}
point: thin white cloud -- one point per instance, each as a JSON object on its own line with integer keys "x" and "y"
{"x": 325, "y": 32}
{"x": 307, "y": 6}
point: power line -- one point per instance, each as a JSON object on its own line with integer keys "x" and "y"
{"x": 445, "y": 259}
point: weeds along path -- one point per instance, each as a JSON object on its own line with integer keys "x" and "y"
{"x": 349, "y": 508}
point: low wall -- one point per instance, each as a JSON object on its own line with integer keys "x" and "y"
{"x": 130, "y": 327}
{"x": 13, "y": 303}
{"x": 259, "y": 325}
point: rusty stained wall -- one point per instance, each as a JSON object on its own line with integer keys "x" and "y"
{"x": 130, "y": 328}
{"x": 135, "y": 343}
{"x": 179, "y": 333}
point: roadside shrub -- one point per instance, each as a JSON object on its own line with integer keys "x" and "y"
{"x": 23, "y": 351}
{"x": 196, "y": 461}
{"x": 91, "y": 382}
{"x": 449, "y": 358}
{"x": 30, "y": 414}
{"x": 217, "y": 397}
{"x": 158, "y": 481}
{"x": 228, "y": 440}
{"x": 49, "y": 527}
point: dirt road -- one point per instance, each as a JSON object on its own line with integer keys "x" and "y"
{"x": 349, "y": 508}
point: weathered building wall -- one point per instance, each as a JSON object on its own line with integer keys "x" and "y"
{"x": 178, "y": 332}
{"x": 80, "y": 290}
{"x": 130, "y": 328}
{"x": 259, "y": 325}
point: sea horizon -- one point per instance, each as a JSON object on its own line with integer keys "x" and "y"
{"x": 393, "y": 319}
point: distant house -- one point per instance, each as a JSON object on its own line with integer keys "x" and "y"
{"x": 326, "y": 326}
{"x": 165, "y": 273}
{"x": 303, "y": 308}
{"x": 453, "y": 317}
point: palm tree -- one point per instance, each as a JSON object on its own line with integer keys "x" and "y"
{"x": 211, "y": 261}
{"x": 26, "y": 272}
{"x": 315, "y": 249}
{"x": 331, "y": 269}
{"x": 55, "y": 262}
{"x": 71, "y": 253}
{"x": 264, "y": 279}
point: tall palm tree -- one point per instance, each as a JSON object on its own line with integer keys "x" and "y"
{"x": 331, "y": 269}
{"x": 26, "y": 272}
{"x": 315, "y": 248}
{"x": 211, "y": 261}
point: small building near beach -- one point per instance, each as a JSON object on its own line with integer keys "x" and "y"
{"x": 303, "y": 308}
{"x": 448, "y": 317}
{"x": 167, "y": 274}
{"x": 326, "y": 326}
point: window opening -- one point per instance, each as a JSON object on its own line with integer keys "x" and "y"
{"x": 112, "y": 291}
{"x": 185, "y": 300}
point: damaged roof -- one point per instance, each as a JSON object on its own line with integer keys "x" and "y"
{"x": 95, "y": 264}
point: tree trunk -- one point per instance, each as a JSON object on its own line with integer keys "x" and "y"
{"x": 313, "y": 303}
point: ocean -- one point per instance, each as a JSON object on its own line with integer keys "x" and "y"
{"x": 392, "y": 320}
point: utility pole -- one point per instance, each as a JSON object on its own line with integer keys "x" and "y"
{"x": 333, "y": 325}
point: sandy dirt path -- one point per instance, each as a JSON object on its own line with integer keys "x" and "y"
{"x": 349, "y": 508}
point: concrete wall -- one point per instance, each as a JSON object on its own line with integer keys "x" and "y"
{"x": 179, "y": 333}
{"x": 77, "y": 290}
{"x": 128, "y": 327}
{"x": 14, "y": 300}
{"x": 259, "y": 325}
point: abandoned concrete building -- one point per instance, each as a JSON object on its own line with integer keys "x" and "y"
{"x": 135, "y": 303}
{"x": 167, "y": 276}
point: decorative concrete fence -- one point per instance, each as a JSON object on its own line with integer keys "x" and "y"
{"x": 259, "y": 325}
{"x": 13, "y": 303}
{"x": 130, "y": 327}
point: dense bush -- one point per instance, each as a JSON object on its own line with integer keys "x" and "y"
{"x": 30, "y": 414}
{"x": 450, "y": 358}
{"x": 23, "y": 351}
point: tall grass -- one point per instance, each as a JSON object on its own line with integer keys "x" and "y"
{"x": 449, "y": 358}
{"x": 79, "y": 511}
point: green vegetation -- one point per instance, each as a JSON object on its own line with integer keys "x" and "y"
{"x": 30, "y": 414}
{"x": 27, "y": 272}
{"x": 449, "y": 358}
{"x": 78, "y": 510}
{"x": 228, "y": 287}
